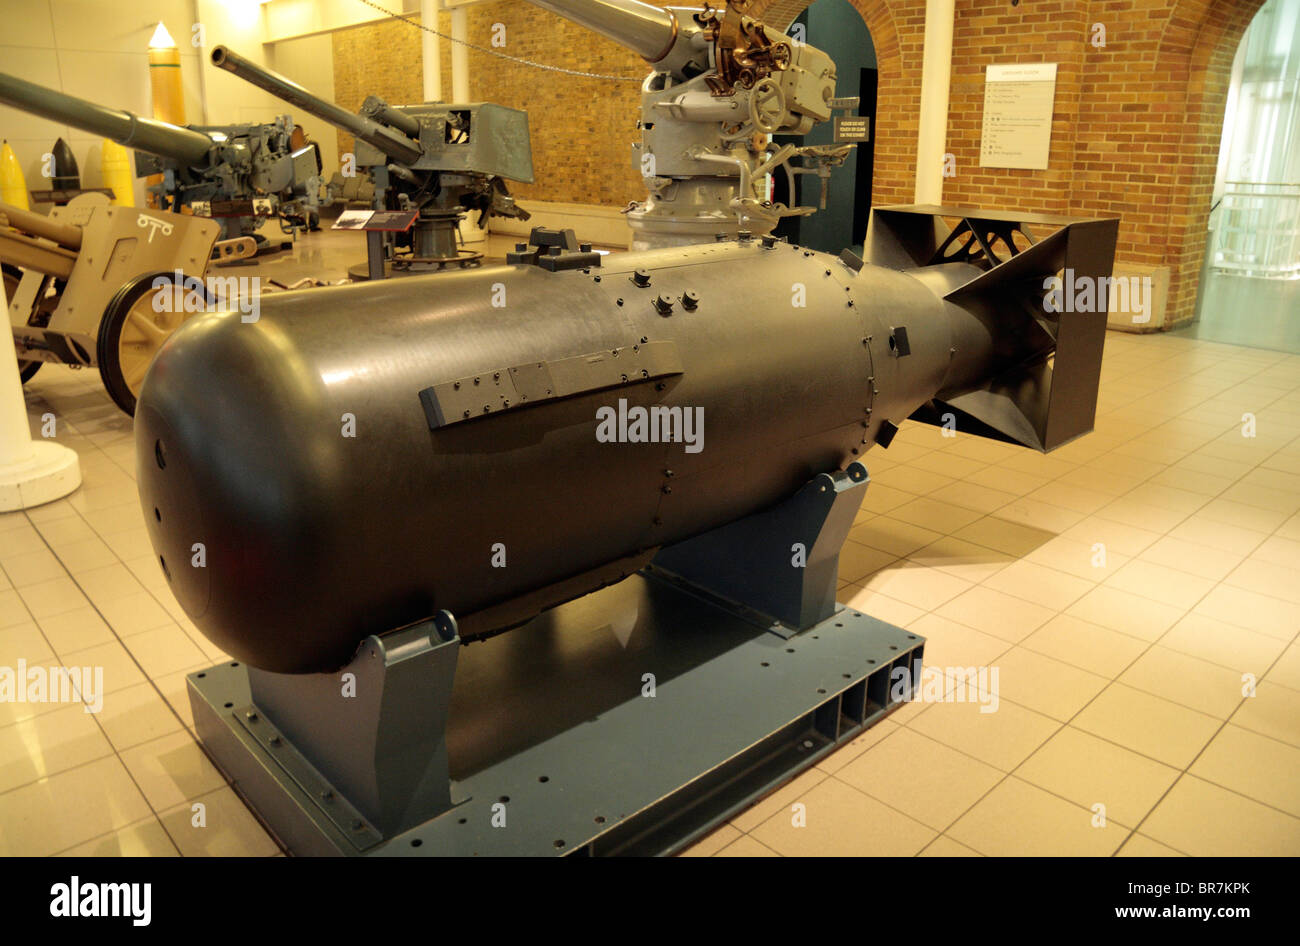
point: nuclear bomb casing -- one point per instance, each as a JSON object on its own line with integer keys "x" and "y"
{"x": 361, "y": 457}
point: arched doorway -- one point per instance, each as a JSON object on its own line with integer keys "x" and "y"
{"x": 837, "y": 28}
{"x": 1250, "y": 284}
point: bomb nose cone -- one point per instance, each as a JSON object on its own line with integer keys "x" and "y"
{"x": 234, "y": 486}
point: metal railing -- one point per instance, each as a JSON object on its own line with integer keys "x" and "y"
{"x": 1257, "y": 231}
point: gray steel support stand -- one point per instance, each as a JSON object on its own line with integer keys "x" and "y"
{"x": 780, "y": 566}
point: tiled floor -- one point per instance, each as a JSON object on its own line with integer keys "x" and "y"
{"x": 1127, "y": 588}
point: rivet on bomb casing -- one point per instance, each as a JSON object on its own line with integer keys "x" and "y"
{"x": 663, "y": 305}
{"x": 275, "y": 741}
{"x": 641, "y": 278}
{"x": 644, "y": 339}
{"x": 455, "y": 385}
{"x": 690, "y": 300}
{"x": 667, "y": 490}
{"x": 476, "y": 380}
{"x": 251, "y": 716}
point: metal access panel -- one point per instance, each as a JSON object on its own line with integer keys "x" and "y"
{"x": 475, "y": 138}
{"x": 629, "y": 722}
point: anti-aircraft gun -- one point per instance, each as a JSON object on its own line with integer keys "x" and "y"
{"x": 237, "y": 174}
{"x": 441, "y": 160}
{"x": 722, "y": 84}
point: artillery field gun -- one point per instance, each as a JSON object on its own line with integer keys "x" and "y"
{"x": 442, "y": 160}
{"x": 80, "y": 285}
{"x": 237, "y": 174}
{"x": 722, "y": 84}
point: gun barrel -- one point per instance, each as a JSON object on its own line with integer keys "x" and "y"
{"x": 143, "y": 134}
{"x": 647, "y": 30}
{"x": 392, "y": 143}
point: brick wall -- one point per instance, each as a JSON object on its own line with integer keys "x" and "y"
{"x": 1136, "y": 128}
{"x": 1137, "y": 122}
{"x": 581, "y": 129}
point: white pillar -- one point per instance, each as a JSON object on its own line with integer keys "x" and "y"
{"x": 31, "y": 471}
{"x": 459, "y": 55}
{"x": 936, "y": 71}
{"x": 431, "y": 49}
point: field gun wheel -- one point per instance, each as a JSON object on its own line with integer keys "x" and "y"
{"x": 135, "y": 325}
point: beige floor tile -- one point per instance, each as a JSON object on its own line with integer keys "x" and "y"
{"x": 1190, "y": 681}
{"x": 1134, "y": 512}
{"x": 135, "y": 613}
{"x": 858, "y": 561}
{"x": 892, "y": 535}
{"x": 1169, "y": 586}
{"x": 23, "y": 642}
{"x": 911, "y": 479}
{"x": 75, "y": 630}
{"x": 1251, "y": 610}
{"x": 934, "y": 514}
{"x": 1219, "y": 535}
{"x": 223, "y": 827}
{"x": 971, "y": 495}
{"x": 840, "y": 821}
{"x": 47, "y": 744}
{"x": 1242, "y": 515}
{"x": 1202, "y": 560}
{"x": 69, "y": 808}
{"x": 12, "y": 609}
{"x": 777, "y": 801}
{"x": 944, "y": 846}
{"x": 171, "y": 769}
{"x": 48, "y": 598}
{"x": 136, "y": 714}
{"x": 1005, "y": 480}
{"x": 1037, "y": 514}
{"x": 1127, "y": 613}
{"x": 1277, "y": 550}
{"x": 1141, "y": 846}
{"x": 1147, "y": 724}
{"x": 1041, "y": 585}
{"x": 949, "y": 644}
{"x": 881, "y": 498}
{"x": 31, "y": 567}
{"x": 1084, "y": 645}
{"x": 1224, "y": 644}
{"x": 144, "y": 839}
{"x": 176, "y": 692}
{"x": 1286, "y": 671}
{"x": 1265, "y": 578}
{"x": 1003, "y": 535}
{"x": 120, "y": 671}
{"x": 961, "y": 559}
{"x": 856, "y": 746}
{"x": 165, "y": 650}
{"x": 746, "y": 847}
{"x": 1044, "y": 685}
{"x": 922, "y": 587}
{"x": 1089, "y": 771}
{"x": 920, "y": 777}
{"x": 1017, "y": 819}
{"x": 108, "y": 583}
{"x": 1205, "y": 820}
{"x": 1252, "y": 765}
{"x": 884, "y": 608}
{"x": 1090, "y": 561}
{"x": 1003, "y": 738}
{"x": 1001, "y": 615}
